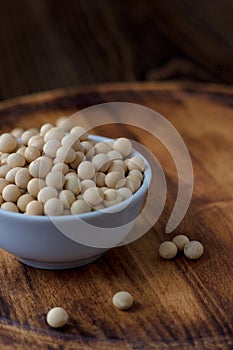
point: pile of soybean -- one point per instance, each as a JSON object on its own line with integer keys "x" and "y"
{"x": 58, "y": 171}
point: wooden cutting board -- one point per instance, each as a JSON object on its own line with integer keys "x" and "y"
{"x": 179, "y": 304}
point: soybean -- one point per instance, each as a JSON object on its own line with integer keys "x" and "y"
{"x": 193, "y": 250}
{"x": 57, "y": 317}
{"x": 122, "y": 300}
{"x": 168, "y": 250}
{"x": 180, "y": 241}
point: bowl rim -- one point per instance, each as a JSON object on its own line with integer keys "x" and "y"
{"x": 43, "y": 218}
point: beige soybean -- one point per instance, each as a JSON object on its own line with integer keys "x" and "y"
{"x": 167, "y": 250}
{"x": 21, "y": 150}
{"x": 111, "y": 179}
{"x": 111, "y": 197}
{"x": 23, "y": 201}
{"x": 31, "y": 153}
{"x": 10, "y": 176}
{"x": 118, "y": 168}
{"x": 85, "y": 184}
{"x": 180, "y": 241}
{"x": 136, "y": 163}
{"x": 122, "y": 300}
{"x": 86, "y": 170}
{"x": 40, "y": 167}
{"x": 57, "y": 317}
{"x": 50, "y": 148}
{"x": 36, "y": 141}
{"x": 61, "y": 167}
{"x": 104, "y": 188}
{"x": 122, "y": 183}
{"x": 73, "y": 184}
{"x": 45, "y": 128}
{"x": 34, "y": 186}
{"x": 66, "y": 155}
{"x": 3, "y": 183}
{"x": 79, "y": 132}
{"x": 71, "y": 141}
{"x": 111, "y": 194}
{"x": 135, "y": 181}
{"x": 34, "y": 208}
{"x": 4, "y": 170}
{"x": 108, "y": 204}
{"x": 80, "y": 157}
{"x": 9, "y": 206}
{"x": 47, "y": 193}
{"x": 4, "y": 161}
{"x": 93, "y": 196}
{"x": 53, "y": 207}
{"x": 88, "y": 149}
{"x": 26, "y": 135}
{"x": 125, "y": 193}
{"x": 125, "y": 183}
{"x": 100, "y": 179}
{"x": 71, "y": 173}
{"x": 35, "y": 130}
{"x": 101, "y": 162}
{"x": 137, "y": 173}
{"x": 193, "y": 250}
{"x": 67, "y": 198}
{"x": 3, "y": 157}
{"x": 8, "y": 143}
{"x": 114, "y": 155}
{"x": 56, "y": 161}
{"x": 80, "y": 207}
{"x": 55, "y": 179}
{"x": 15, "y": 160}
{"x": 103, "y": 147}
{"x": 98, "y": 207}
{"x": 11, "y": 193}
{"x": 121, "y": 163}
{"x": 55, "y": 133}
{"x": 17, "y": 132}
{"x": 123, "y": 146}
{"x": 22, "y": 177}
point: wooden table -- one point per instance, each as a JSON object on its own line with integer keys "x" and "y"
{"x": 179, "y": 304}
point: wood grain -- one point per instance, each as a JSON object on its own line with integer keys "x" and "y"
{"x": 47, "y": 45}
{"x": 179, "y": 304}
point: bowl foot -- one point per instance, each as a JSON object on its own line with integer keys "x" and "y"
{"x": 58, "y": 265}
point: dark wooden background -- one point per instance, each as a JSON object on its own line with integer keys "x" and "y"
{"x": 47, "y": 44}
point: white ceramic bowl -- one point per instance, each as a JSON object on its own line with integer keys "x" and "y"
{"x": 44, "y": 242}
